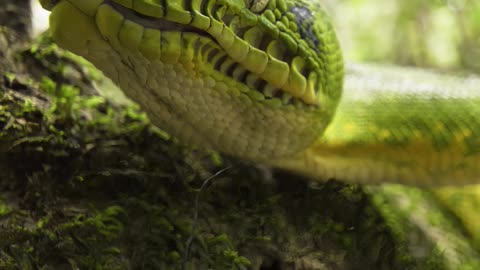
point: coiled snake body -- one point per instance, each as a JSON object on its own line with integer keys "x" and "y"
{"x": 263, "y": 79}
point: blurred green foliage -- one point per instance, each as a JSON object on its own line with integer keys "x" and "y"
{"x": 426, "y": 33}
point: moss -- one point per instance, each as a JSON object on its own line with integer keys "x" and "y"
{"x": 48, "y": 53}
{"x": 107, "y": 190}
{"x": 79, "y": 216}
{"x": 4, "y": 209}
{"x": 425, "y": 233}
{"x": 463, "y": 203}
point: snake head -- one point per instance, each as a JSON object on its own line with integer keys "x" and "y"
{"x": 259, "y": 79}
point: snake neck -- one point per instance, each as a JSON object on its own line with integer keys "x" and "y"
{"x": 390, "y": 128}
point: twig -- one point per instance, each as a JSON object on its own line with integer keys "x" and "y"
{"x": 188, "y": 244}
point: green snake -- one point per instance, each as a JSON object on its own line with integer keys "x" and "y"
{"x": 263, "y": 80}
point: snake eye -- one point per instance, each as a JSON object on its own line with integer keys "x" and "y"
{"x": 257, "y": 6}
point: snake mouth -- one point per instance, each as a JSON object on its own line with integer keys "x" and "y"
{"x": 273, "y": 66}
{"x": 214, "y": 53}
{"x": 152, "y": 22}
{"x": 276, "y": 65}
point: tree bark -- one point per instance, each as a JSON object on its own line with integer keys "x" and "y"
{"x": 16, "y": 15}
{"x": 90, "y": 184}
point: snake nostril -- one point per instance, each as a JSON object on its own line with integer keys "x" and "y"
{"x": 49, "y": 4}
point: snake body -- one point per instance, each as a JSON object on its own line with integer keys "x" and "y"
{"x": 263, "y": 79}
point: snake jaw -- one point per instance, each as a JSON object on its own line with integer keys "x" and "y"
{"x": 264, "y": 40}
